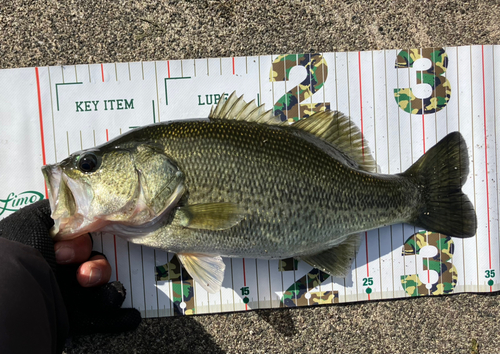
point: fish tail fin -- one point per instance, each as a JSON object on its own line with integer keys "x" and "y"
{"x": 440, "y": 174}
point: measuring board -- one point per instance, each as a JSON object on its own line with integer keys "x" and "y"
{"x": 404, "y": 101}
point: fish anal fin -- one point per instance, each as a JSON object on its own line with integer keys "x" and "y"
{"x": 339, "y": 131}
{"x": 337, "y": 260}
{"x": 207, "y": 270}
{"x": 211, "y": 216}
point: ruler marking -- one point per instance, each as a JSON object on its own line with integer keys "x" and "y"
{"x": 63, "y": 84}
{"x": 154, "y": 118}
{"x": 473, "y": 158}
{"x": 144, "y": 282}
{"x": 496, "y": 134}
{"x": 423, "y": 146}
{"x": 157, "y": 91}
{"x": 260, "y": 86}
{"x": 423, "y": 108}
{"x": 486, "y": 159}
{"x": 363, "y": 153}
{"x": 458, "y": 122}
{"x": 114, "y": 236}
{"x": 244, "y": 279}
{"x": 388, "y": 165}
{"x": 67, "y": 141}
{"x": 166, "y": 89}
{"x": 52, "y": 114}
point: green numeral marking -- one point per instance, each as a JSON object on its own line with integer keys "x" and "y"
{"x": 489, "y": 273}
{"x": 367, "y": 281}
{"x": 245, "y": 290}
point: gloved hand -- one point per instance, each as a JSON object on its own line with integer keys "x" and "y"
{"x": 90, "y": 309}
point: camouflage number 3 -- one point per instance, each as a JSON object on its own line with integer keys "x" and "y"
{"x": 441, "y": 90}
{"x": 288, "y": 107}
{"x": 440, "y": 263}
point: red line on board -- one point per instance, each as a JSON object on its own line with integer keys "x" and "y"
{"x": 114, "y": 236}
{"x": 41, "y": 124}
{"x": 168, "y": 68}
{"x": 233, "y": 66}
{"x": 363, "y": 152}
{"x": 486, "y": 159}
{"x": 102, "y": 72}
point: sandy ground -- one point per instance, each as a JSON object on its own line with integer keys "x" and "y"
{"x": 38, "y": 33}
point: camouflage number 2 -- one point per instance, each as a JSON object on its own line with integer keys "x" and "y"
{"x": 288, "y": 107}
{"x": 300, "y": 294}
{"x": 441, "y": 90}
{"x": 447, "y": 273}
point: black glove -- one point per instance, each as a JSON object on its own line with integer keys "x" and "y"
{"x": 90, "y": 310}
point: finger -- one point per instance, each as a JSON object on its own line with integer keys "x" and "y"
{"x": 76, "y": 250}
{"x": 96, "y": 271}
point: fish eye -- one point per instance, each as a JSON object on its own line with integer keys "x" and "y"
{"x": 88, "y": 163}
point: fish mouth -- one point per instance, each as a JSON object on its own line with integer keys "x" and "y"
{"x": 69, "y": 202}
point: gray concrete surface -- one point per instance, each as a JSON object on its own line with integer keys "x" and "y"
{"x": 52, "y": 32}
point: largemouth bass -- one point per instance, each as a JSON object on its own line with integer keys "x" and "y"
{"x": 243, "y": 184}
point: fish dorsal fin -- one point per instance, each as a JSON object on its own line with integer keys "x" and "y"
{"x": 336, "y": 261}
{"x": 338, "y": 130}
{"x": 236, "y": 108}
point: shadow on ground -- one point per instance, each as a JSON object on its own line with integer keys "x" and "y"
{"x": 159, "y": 335}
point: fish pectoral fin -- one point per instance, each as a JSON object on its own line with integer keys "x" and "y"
{"x": 337, "y": 260}
{"x": 211, "y": 216}
{"x": 207, "y": 270}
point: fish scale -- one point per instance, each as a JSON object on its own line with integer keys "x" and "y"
{"x": 272, "y": 172}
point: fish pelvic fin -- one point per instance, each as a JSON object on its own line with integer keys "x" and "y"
{"x": 336, "y": 261}
{"x": 207, "y": 270}
{"x": 439, "y": 175}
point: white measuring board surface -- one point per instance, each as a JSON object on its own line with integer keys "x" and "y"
{"x": 404, "y": 101}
